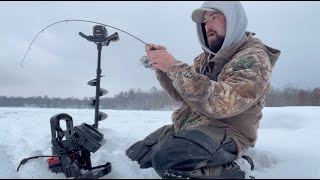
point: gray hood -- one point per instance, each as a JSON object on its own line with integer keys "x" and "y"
{"x": 236, "y": 22}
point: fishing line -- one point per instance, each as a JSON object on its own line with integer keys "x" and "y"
{"x": 143, "y": 60}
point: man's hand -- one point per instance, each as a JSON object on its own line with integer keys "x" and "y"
{"x": 160, "y": 58}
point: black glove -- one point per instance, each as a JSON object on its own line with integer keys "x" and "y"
{"x": 141, "y": 151}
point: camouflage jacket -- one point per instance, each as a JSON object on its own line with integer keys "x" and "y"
{"x": 234, "y": 100}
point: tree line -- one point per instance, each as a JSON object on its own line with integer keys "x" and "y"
{"x": 156, "y": 99}
{"x": 290, "y": 96}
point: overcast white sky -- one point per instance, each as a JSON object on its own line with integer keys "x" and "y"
{"x": 60, "y": 62}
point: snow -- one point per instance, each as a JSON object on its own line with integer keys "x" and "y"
{"x": 287, "y": 145}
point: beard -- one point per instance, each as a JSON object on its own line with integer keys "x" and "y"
{"x": 216, "y": 44}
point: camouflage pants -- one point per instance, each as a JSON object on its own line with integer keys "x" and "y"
{"x": 198, "y": 152}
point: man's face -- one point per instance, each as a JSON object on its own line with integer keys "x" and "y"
{"x": 215, "y": 25}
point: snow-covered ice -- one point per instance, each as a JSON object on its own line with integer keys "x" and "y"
{"x": 287, "y": 145}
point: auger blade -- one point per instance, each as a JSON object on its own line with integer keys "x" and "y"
{"x": 103, "y": 92}
{"x": 92, "y": 82}
{"x": 102, "y": 116}
{"x": 92, "y": 102}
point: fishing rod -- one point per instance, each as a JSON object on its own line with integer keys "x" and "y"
{"x": 144, "y": 59}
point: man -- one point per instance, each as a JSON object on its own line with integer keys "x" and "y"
{"x": 222, "y": 97}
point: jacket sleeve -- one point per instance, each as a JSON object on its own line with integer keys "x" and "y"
{"x": 166, "y": 84}
{"x": 242, "y": 82}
